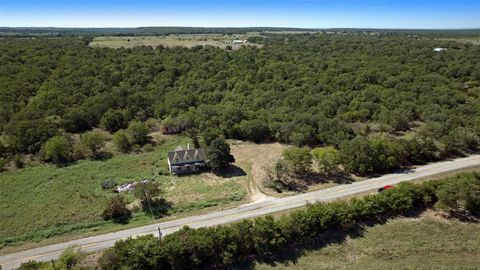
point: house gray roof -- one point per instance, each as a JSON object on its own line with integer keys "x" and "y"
{"x": 181, "y": 155}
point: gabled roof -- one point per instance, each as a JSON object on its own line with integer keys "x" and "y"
{"x": 181, "y": 155}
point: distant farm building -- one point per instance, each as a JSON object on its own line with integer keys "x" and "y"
{"x": 238, "y": 41}
{"x": 190, "y": 160}
{"x": 439, "y": 49}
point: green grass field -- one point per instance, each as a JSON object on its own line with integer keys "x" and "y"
{"x": 44, "y": 201}
{"x": 427, "y": 242}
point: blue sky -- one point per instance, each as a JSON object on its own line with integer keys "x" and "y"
{"x": 239, "y": 13}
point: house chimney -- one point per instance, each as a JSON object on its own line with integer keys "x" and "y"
{"x": 188, "y": 146}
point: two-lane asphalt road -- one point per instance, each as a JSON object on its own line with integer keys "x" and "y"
{"x": 99, "y": 242}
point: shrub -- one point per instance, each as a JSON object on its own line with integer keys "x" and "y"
{"x": 121, "y": 142}
{"x": 18, "y": 161}
{"x": 116, "y": 210}
{"x": 277, "y": 177}
{"x": 143, "y": 252}
{"x": 70, "y": 257}
{"x": 28, "y": 136}
{"x": 3, "y": 163}
{"x": 93, "y": 142}
{"x": 463, "y": 194}
{"x": 31, "y": 265}
{"x": 138, "y": 133}
{"x": 57, "y": 149}
{"x": 113, "y": 120}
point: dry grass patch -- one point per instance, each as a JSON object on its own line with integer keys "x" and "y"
{"x": 179, "y": 40}
{"x": 425, "y": 242}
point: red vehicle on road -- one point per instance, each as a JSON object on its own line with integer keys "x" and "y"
{"x": 384, "y": 188}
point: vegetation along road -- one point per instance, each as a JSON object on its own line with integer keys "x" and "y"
{"x": 104, "y": 241}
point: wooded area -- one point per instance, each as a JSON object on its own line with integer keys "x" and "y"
{"x": 303, "y": 89}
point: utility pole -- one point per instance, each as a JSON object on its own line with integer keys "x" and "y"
{"x": 159, "y": 235}
{"x": 148, "y": 201}
{"x": 53, "y": 265}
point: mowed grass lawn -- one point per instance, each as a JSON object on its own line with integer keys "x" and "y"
{"x": 403, "y": 243}
{"x": 44, "y": 201}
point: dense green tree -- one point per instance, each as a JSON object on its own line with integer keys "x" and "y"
{"x": 138, "y": 133}
{"x": 421, "y": 149}
{"x": 389, "y": 154}
{"x": 28, "y": 136}
{"x": 326, "y": 159}
{"x": 333, "y": 132}
{"x": 255, "y": 130}
{"x": 113, "y": 120}
{"x": 376, "y": 154}
{"x": 57, "y": 149}
{"x": 356, "y": 156}
{"x": 299, "y": 160}
{"x": 209, "y": 135}
{"x": 219, "y": 157}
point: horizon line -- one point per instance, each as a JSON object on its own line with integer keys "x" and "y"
{"x": 239, "y": 27}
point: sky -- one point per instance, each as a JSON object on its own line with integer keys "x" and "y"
{"x": 406, "y": 14}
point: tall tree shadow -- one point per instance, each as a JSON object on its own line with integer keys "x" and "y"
{"x": 158, "y": 207}
{"x": 232, "y": 171}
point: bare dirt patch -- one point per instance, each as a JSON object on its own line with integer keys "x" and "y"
{"x": 256, "y": 158}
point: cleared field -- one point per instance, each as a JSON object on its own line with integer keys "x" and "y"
{"x": 471, "y": 40}
{"x": 427, "y": 242}
{"x": 45, "y": 201}
{"x": 185, "y": 40}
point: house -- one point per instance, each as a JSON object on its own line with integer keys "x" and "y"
{"x": 188, "y": 160}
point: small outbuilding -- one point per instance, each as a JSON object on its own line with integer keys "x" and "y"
{"x": 183, "y": 161}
